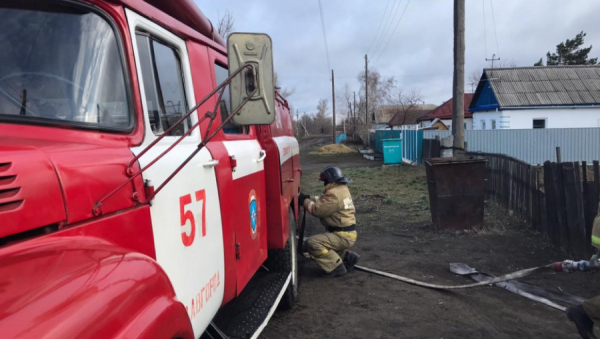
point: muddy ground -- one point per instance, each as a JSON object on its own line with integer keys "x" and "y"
{"x": 396, "y": 235}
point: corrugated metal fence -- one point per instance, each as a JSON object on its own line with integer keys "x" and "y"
{"x": 534, "y": 146}
{"x": 412, "y": 143}
{"x": 381, "y": 135}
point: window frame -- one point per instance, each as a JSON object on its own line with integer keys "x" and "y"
{"x": 219, "y": 59}
{"x": 161, "y": 103}
{"x": 17, "y": 119}
{"x": 245, "y": 130}
{"x": 139, "y": 23}
{"x": 545, "y": 120}
{"x": 483, "y": 124}
{"x": 493, "y": 124}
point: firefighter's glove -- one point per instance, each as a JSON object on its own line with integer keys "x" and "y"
{"x": 302, "y": 197}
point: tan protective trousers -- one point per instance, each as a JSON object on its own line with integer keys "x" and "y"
{"x": 592, "y": 308}
{"x": 327, "y": 249}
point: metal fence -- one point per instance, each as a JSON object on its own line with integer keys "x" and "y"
{"x": 381, "y": 135}
{"x": 534, "y": 146}
{"x": 412, "y": 143}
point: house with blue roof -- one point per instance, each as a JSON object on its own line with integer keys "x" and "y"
{"x": 537, "y": 97}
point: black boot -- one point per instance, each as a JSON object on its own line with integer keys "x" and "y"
{"x": 350, "y": 259}
{"x": 337, "y": 272}
{"x": 584, "y": 324}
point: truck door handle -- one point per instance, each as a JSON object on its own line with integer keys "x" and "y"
{"x": 263, "y": 155}
{"x": 211, "y": 163}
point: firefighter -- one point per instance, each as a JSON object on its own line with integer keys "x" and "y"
{"x": 336, "y": 211}
{"x": 585, "y": 315}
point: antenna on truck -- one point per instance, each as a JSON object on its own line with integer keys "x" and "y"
{"x": 97, "y": 210}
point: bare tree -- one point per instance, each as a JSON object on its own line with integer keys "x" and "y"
{"x": 226, "y": 24}
{"x": 345, "y": 112}
{"x": 407, "y": 100}
{"x": 380, "y": 89}
{"x": 322, "y": 107}
{"x": 473, "y": 80}
{"x": 322, "y": 120}
{"x": 285, "y": 92}
{"x": 305, "y": 121}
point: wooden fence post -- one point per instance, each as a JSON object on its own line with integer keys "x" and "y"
{"x": 563, "y": 209}
{"x": 579, "y": 230}
{"x": 550, "y": 185}
{"x": 597, "y": 175}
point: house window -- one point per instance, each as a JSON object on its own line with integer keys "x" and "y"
{"x": 493, "y": 124}
{"x": 163, "y": 85}
{"x": 482, "y": 124}
{"x": 539, "y": 123}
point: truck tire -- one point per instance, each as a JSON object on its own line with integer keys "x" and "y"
{"x": 285, "y": 260}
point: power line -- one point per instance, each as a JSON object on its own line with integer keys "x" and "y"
{"x": 484, "y": 32}
{"x": 412, "y": 76}
{"x": 324, "y": 35}
{"x": 387, "y": 26}
{"x": 385, "y": 12}
{"x": 495, "y": 33}
{"x": 394, "y": 31}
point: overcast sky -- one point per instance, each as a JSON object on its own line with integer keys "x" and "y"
{"x": 416, "y": 50}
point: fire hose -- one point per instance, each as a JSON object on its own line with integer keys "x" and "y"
{"x": 561, "y": 266}
{"x": 506, "y": 281}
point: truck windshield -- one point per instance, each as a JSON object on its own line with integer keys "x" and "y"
{"x": 60, "y": 64}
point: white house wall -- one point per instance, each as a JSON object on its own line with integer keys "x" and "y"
{"x": 468, "y": 121}
{"x": 488, "y": 116}
{"x": 555, "y": 118}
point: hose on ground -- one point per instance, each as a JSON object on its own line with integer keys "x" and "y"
{"x": 506, "y": 277}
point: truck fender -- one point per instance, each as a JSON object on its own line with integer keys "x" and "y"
{"x": 84, "y": 287}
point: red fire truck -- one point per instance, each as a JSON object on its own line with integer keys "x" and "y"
{"x": 148, "y": 178}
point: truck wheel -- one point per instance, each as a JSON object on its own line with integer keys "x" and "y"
{"x": 285, "y": 260}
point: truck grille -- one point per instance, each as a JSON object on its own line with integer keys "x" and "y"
{"x": 8, "y": 201}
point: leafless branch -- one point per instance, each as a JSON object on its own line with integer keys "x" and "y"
{"x": 226, "y": 24}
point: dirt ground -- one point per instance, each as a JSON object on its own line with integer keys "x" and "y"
{"x": 396, "y": 235}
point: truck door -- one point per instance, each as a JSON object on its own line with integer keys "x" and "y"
{"x": 243, "y": 187}
{"x": 282, "y": 132}
{"x": 185, "y": 219}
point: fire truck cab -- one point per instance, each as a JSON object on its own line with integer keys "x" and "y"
{"x": 119, "y": 215}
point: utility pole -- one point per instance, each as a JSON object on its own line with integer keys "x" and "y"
{"x": 367, "y": 121}
{"x": 349, "y": 115}
{"x": 492, "y": 59}
{"x": 303, "y": 125}
{"x": 354, "y": 116}
{"x": 458, "y": 83}
{"x": 333, "y": 100}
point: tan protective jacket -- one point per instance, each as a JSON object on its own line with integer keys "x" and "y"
{"x": 334, "y": 208}
{"x": 596, "y": 230}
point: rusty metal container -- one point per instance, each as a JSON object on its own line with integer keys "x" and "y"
{"x": 456, "y": 192}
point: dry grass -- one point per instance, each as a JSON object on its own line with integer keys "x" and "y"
{"x": 392, "y": 197}
{"x": 333, "y": 149}
{"x": 383, "y": 197}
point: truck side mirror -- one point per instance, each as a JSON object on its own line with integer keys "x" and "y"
{"x": 255, "y": 49}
